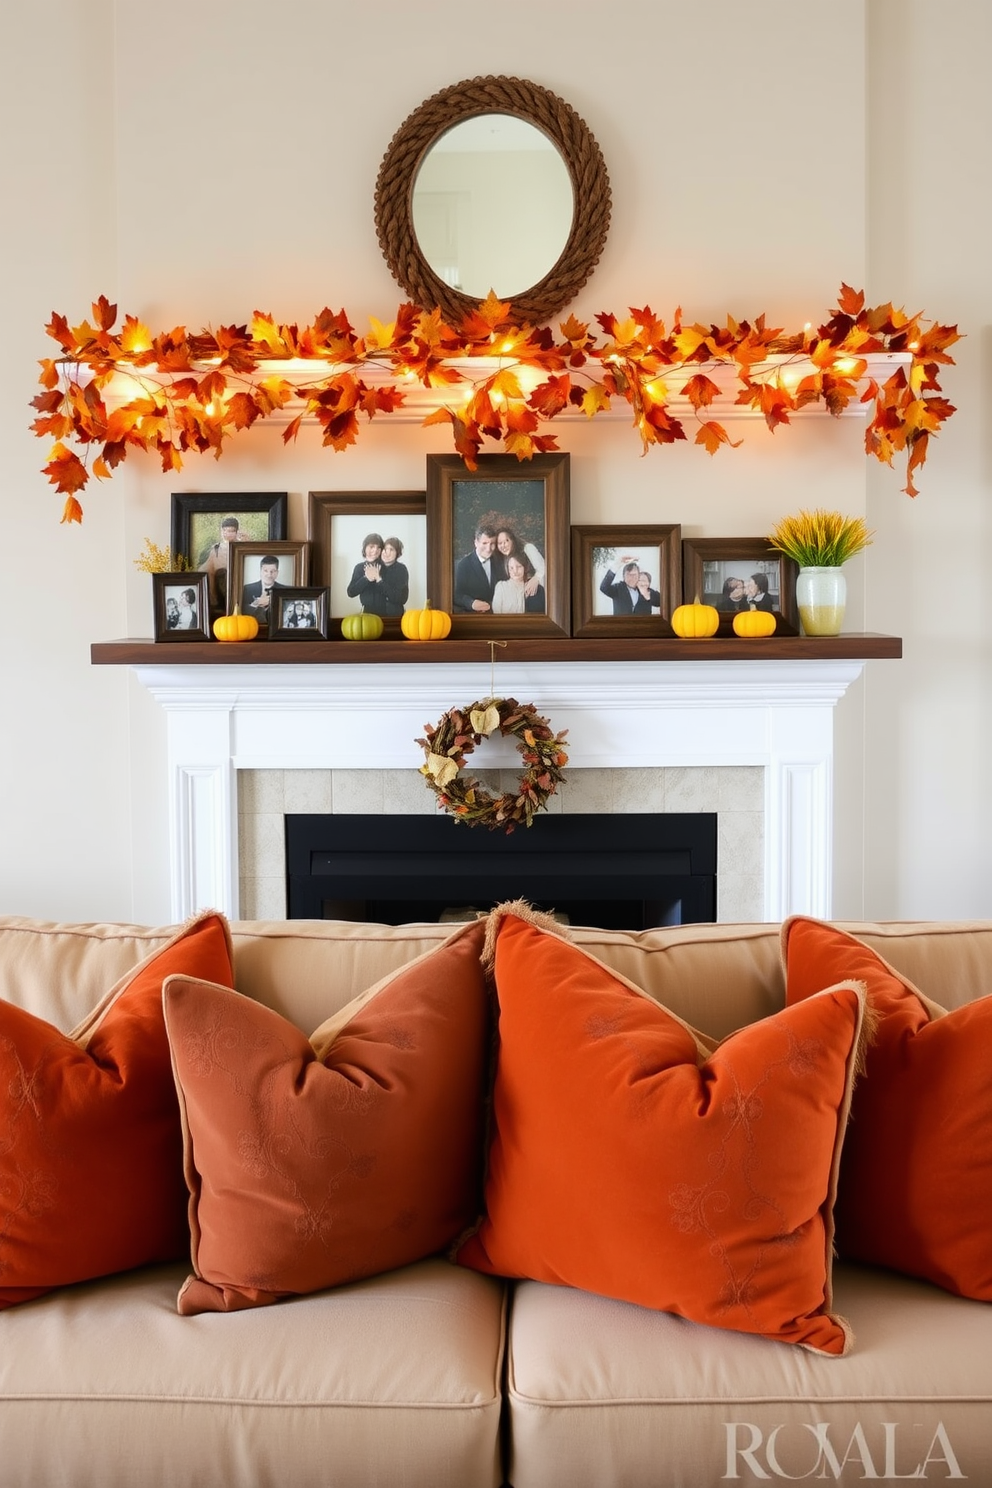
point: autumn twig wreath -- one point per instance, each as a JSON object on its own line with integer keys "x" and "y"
{"x": 455, "y": 736}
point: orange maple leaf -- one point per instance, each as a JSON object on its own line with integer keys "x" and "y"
{"x": 711, "y": 435}
{"x": 467, "y": 441}
{"x": 549, "y": 398}
{"x": 851, "y": 301}
{"x": 242, "y": 410}
{"x": 65, "y": 470}
{"x": 104, "y": 313}
{"x": 701, "y": 390}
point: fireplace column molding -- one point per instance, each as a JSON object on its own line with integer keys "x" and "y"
{"x": 777, "y": 714}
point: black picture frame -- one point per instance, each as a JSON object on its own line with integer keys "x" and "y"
{"x": 196, "y": 527}
{"x": 283, "y": 627}
{"x": 293, "y": 573}
{"x": 338, "y": 522}
{"x": 168, "y": 590}
{"x": 599, "y": 555}
{"x": 708, "y": 563}
{"x": 531, "y": 497}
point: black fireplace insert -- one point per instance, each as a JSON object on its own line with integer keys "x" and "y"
{"x": 620, "y": 872}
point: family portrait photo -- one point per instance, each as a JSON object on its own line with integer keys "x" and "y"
{"x": 180, "y": 607}
{"x": 498, "y": 541}
{"x": 300, "y": 614}
{"x": 259, "y": 572}
{"x": 204, "y": 529}
{"x": 370, "y": 549}
{"x": 625, "y": 578}
{"x": 625, "y": 582}
{"x": 378, "y": 564}
{"x": 742, "y": 573}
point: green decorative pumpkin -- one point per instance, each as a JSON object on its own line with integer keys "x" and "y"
{"x": 362, "y": 627}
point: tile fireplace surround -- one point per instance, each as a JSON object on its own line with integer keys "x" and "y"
{"x": 752, "y": 739}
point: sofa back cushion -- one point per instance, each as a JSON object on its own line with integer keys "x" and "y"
{"x": 717, "y": 977}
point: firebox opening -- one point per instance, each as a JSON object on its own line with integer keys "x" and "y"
{"x": 621, "y": 872}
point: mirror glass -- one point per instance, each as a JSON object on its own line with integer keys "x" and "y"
{"x": 493, "y": 206}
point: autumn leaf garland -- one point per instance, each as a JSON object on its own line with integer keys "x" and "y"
{"x": 192, "y": 392}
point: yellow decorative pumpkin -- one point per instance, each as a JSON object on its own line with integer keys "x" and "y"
{"x": 425, "y": 624}
{"x": 754, "y": 623}
{"x": 236, "y": 627}
{"x": 695, "y": 621}
{"x": 362, "y": 627}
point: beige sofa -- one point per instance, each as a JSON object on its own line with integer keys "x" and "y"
{"x": 437, "y": 1377}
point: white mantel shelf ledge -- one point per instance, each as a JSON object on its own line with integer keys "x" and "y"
{"x": 771, "y": 711}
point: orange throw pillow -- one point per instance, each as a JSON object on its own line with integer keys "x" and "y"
{"x": 636, "y": 1159}
{"x": 915, "y": 1190}
{"x": 91, "y": 1153}
{"x": 315, "y": 1162}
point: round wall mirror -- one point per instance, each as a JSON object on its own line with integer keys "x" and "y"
{"x": 494, "y": 183}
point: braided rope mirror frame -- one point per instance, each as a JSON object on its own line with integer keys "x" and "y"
{"x": 424, "y": 127}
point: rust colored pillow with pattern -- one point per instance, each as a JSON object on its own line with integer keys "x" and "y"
{"x": 91, "y": 1150}
{"x": 632, "y": 1157}
{"x": 915, "y": 1190}
{"x": 312, "y": 1162}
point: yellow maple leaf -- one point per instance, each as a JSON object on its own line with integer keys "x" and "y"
{"x": 495, "y": 311}
{"x": 382, "y": 335}
{"x": 440, "y": 768}
{"x": 484, "y": 720}
{"x": 594, "y": 400}
{"x": 135, "y": 336}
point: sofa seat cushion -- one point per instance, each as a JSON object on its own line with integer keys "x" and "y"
{"x": 393, "y": 1381}
{"x": 605, "y": 1394}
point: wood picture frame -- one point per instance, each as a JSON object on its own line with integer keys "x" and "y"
{"x": 338, "y": 525}
{"x": 301, "y": 614}
{"x": 603, "y": 602}
{"x": 249, "y": 588}
{"x": 200, "y": 524}
{"x": 525, "y": 505}
{"x": 710, "y": 563}
{"x": 177, "y": 617}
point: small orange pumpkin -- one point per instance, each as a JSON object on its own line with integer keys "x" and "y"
{"x": 754, "y": 623}
{"x": 425, "y": 624}
{"x": 236, "y": 627}
{"x": 695, "y": 621}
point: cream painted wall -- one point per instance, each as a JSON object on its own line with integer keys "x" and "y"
{"x": 218, "y": 158}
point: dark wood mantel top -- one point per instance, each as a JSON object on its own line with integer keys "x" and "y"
{"x": 851, "y": 647}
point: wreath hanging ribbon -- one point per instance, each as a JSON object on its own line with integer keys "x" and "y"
{"x": 456, "y": 734}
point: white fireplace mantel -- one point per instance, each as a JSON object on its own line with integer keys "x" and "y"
{"x": 222, "y": 719}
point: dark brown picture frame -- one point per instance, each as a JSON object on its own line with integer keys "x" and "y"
{"x": 182, "y": 579}
{"x": 299, "y": 552}
{"x": 488, "y": 493}
{"x": 697, "y": 552}
{"x": 318, "y": 596}
{"x": 324, "y": 507}
{"x": 666, "y": 537}
{"x": 188, "y": 508}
